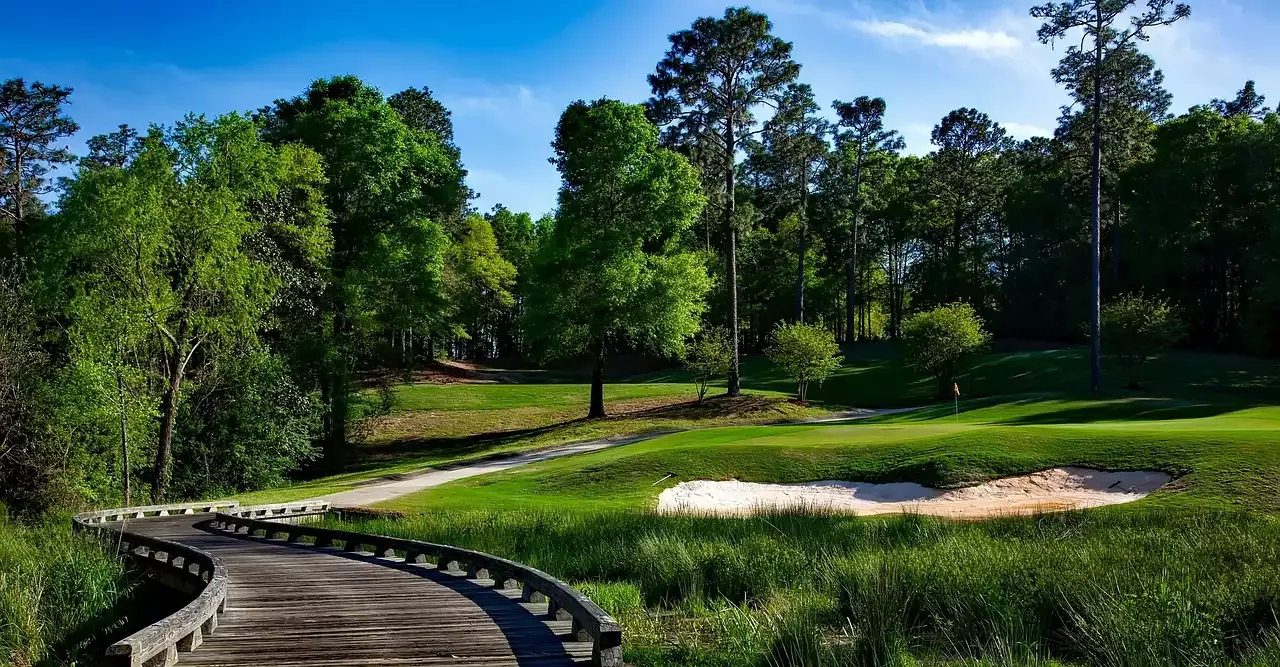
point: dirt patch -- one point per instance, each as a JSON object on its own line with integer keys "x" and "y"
{"x": 1053, "y": 490}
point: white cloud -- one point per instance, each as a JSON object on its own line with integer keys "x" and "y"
{"x": 1026, "y": 131}
{"x": 500, "y": 99}
{"x": 918, "y": 137}
{"x": 986, "y": 43}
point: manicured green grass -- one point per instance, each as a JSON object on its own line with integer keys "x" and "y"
{"x": 494, "y": 396}
{"x": 408, "y": 454}
{"x": 436, "y": 424}
{"x": 60, "y": 594}
{"x": 1187, "y": 576}
{"x": 1231, "y": 458}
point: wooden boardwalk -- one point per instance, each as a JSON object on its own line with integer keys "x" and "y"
{"x": 295, "y": 604}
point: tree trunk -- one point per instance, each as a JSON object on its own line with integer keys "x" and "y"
{"x": 124, "y": 442}
{"x": 734, "y": 381}
{"x": 851, "y": 293}
{"x": 168, "y": 415}
{"x": 804, "y": 220}
{"x": 1115, "y": 249}
{"x": 597, "y": 384}
{"x": 334, "y": 395}
{"x": 1095, "y": 227}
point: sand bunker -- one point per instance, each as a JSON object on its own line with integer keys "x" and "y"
{"x": 1052, "y": 490}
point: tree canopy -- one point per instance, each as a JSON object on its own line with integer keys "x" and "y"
{"x": 609, "y": 270}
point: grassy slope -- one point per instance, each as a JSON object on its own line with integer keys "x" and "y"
{"x": 440, "y": 424}
{"x": 1184, "y": 577}
{"x": 1226, "y": 459}
{"x": 59, "y": 593}
{"x": 433, "y": 424}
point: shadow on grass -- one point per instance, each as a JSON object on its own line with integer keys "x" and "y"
{"x": 472, "y": 448}
{"x": 1056, "y": 408}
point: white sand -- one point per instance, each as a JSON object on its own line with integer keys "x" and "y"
{"x": 1050, "y": 490}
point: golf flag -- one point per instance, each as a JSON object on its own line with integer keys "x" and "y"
{"x": 956, "y": 386}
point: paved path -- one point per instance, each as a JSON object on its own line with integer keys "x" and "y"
{"x": 430, "y": 477}
{"x": 295, "y": 605}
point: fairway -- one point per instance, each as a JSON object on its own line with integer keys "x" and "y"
{"x": 1061, "y": 589}
{"x": 1220, "y": 454}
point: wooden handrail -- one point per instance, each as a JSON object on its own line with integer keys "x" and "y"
{"x": 589, "y": 621}
{"x": 123, "y": 513}
{"x": 178, "y": 566}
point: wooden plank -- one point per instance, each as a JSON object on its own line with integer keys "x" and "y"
{"x": 293, "y": 605}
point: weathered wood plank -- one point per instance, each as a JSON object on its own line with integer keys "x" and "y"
{"x": 291, "y": 604}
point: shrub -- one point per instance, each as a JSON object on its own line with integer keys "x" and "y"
{"x": 1134, "y": 328}
{"x": 806, "y": 352}
{"x": 709, "y": 358}
{"x": 247, "y": 426}
{"x": 938, "y": 340}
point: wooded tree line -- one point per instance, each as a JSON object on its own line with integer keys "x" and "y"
{"x": 191, "y": 308}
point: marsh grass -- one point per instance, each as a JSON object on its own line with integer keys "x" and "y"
{"x": 1122, "y": 587}
{"x": 61, "y": 595}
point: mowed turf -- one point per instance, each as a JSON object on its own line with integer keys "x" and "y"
{"x": 1220, "y": 454}
{"x": 435, "y": 424}
{"x": 1188, "y": 576}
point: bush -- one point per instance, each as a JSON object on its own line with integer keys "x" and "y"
{"x": 246, "y": 426}
{"x": 938, "y": 340}
{"x": 709, "y": 357}
{"x": 1134, "y": 328}
{"x": 806, "y": 352}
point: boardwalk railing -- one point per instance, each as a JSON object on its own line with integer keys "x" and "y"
{"x": 176, "y": 565}
{"x": 589, "y": 621}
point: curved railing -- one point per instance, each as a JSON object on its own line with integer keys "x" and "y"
{"x": 177, "y": 565}
{"x": 589, "y": 621}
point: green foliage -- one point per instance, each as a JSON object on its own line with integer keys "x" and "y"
{"x": 805, "y": 352}
{"x": 894, "y": 590}
{"x": 245, "y": 426}
{"x": 60, "y": 594}
{"x": 32, "y": 124}
{"x": 165, "y": 259}
{"x": 707, "y": 359}
{"x": 607, "y": 271}
{"x": 480, "y": 277}
{"x": 1135, "y": 327}
{"x": 936, "y": 341}
{"x": 394, "y": 185}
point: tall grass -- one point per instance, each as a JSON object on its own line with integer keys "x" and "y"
{"x": 1117, "y": 587}
{"x": 59, "y": 593}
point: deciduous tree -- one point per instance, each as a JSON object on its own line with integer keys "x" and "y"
{"x": 805, "y": 352}
{"x": 938, "y": 340}
{"x": 170, "y": 239}
{"x": 610, "y": 270}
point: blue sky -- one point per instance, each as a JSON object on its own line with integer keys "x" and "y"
{"x": 507, "y": 69}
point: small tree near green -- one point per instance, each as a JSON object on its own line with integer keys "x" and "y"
{"x": 709, "y": 358}
{"x": 1136, "y": 327}
{"x": 806, "y": 352}
{"x": 938, "y": 340}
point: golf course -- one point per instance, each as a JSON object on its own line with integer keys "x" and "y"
{"x": 1186, "y": 575}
